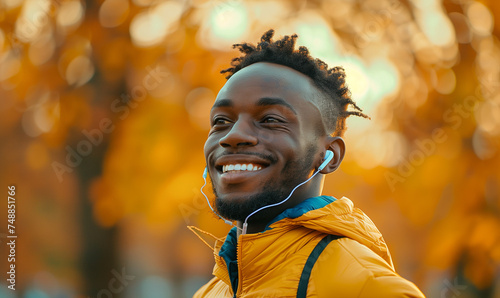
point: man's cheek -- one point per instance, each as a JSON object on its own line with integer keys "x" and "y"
{"x": 210, "y": 145}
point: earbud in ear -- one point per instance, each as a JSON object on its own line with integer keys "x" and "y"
{"x": 328, "y": 157}
{"x": 205, "y": 173}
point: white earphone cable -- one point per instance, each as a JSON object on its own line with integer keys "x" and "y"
{"x": 209, "y": 205}
{"x": 245, "y": 224}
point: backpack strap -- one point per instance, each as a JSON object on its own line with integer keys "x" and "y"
{"x": 306, "y": 272}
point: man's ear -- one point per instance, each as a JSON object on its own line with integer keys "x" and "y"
{"x": 337, "y": 146}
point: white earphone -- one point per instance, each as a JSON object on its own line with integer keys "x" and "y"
{"x": 328, "y": 157}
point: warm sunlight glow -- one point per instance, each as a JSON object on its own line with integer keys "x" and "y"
{"x": 229, "y": 20}
{"x": 70, "y": 14}
{"x": 113, "y": 12}
{"x": 150, "y": 28}
{"x": 430, "y": 20}
{"x": 480, "y": 18}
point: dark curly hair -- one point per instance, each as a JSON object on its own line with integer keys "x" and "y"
{"x": 331, "y": 82}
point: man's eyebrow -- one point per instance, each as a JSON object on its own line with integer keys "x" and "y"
{"x": 222, "y": 103}
{"x": 271, "y": 101}
{"x": 265, "y": 101}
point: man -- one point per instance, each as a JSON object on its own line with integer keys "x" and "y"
{"x": 272, "y": 125}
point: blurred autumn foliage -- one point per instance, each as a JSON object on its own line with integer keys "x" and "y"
{"x": 104, "y": 113}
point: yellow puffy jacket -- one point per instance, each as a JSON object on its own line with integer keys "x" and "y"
{"x": 273, "y": 263}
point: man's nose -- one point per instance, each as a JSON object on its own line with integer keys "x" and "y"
{"x": 242, "y": 133}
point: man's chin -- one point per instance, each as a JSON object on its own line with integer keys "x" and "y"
{"x": 235, "y": 198}
{"x": 232, "y": 207}
{"x": 239, "y": 207}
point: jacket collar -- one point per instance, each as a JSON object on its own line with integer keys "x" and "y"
{"x": 226, "y": 255}
{"x": 302, "y": 208}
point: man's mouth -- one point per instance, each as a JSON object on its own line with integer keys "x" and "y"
{"x": 234, "y": 173}
{"x": 240, "y": 167}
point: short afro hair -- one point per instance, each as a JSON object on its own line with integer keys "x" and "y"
{"x": 331, "y": 82}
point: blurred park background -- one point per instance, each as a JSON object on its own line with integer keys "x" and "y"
{"x": 104, "y": 113}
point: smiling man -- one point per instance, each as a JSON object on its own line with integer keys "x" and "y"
{"x": 276, "y": 129}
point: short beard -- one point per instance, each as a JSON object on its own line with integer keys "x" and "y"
{"x": 240, "y": 210}
{"x": 294, "y": 173}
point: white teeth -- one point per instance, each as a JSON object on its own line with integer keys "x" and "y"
{"x": 241, "y": 167}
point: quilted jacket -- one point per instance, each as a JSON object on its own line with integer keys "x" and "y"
{"x": 271, "y": 263}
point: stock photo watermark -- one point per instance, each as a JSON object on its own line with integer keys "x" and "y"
{"x": 377, "y": 25}
{"x": 116, "y": 284}
{"x": 453, "y": 117}
{"x": 122, "y": 106}
{"x": 31, "y": 25}
{"x": 11, "y": 237}
{"x": 198, "y": 203}
{"x": 452, "y": 290}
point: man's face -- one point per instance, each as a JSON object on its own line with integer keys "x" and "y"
{"x": 264, "y": 139}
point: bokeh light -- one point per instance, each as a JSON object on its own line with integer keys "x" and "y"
{"x": 150, "y": 27}
{"x": 113, "y": 12}
{"x": 228, "y": 20}
{"x": 223, "y": 23}
{"x": 480, "y": 18}
{"x": 70, "y": 14}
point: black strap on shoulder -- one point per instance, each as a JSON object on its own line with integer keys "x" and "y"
{"x": 306, "y": 272}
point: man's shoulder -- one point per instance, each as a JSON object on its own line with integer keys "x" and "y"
{"x": 214, "y": 288}
{"x": 350, "y": 269}
{"x": 348, "y": 256}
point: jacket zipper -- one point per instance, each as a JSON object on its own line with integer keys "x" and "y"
{"x": 238, "y": 259}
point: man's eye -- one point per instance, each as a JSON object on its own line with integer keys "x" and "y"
{"x": 220, "y": 121}
{"x": 271, "y": 119}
